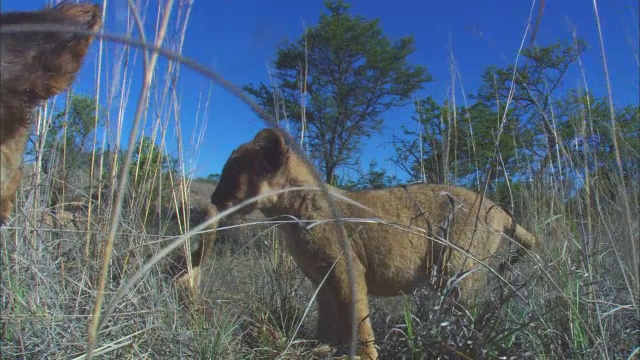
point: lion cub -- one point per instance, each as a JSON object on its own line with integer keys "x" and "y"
{"x": 35, "y": 66}
{"x": 398, "y": 248}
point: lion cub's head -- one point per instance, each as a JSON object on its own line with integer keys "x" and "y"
{"x": 38, "y": 65}
{"x": 253, "y": 169}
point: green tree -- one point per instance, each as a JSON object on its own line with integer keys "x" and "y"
{"x": 337, "y": 81}
{"x": 480, "y": 155}
{"x": 420, "y": 153}
{"x": 68, "y": 137}
{"x": 214, "y": 178}
{"x": 373, "y": 178}
{"x": 150, "y": 165}
{"x": 585, "y": 127}
{"x": 152, "y": 170}
{"x": 458, "y": 149}
{"x": 67, "y": 149}
{"x": 153, "y": 180}
{"x": 535, "y": 83}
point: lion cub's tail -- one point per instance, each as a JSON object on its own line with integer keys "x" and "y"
{"x": 525, "y": 238}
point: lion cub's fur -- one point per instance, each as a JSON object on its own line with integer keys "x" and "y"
{"x": 398, "y": 251}
{"x": 35, "y": 66}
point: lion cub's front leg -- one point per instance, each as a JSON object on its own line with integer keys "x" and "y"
{"x": 327, "y": 329}
{"x": 334, "y": 310}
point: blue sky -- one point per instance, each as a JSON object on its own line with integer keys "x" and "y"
{"x": 237, "y": 38}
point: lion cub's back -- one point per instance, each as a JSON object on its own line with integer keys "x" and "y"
{"x": 398, "y": 255}
{"x": 402, "y": 203}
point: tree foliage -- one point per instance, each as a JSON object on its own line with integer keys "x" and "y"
{"x": 535, "y": 84}
{"x": 458, "y": 149}
{"x": 69, "y": 135}
{"x": 151, "y": 165}
{"x": 214, "y": 178}
{"x": 336, "y": 82}
{"x": 584, "y": 125}
{"x": 547, "y": 131}
{"x": 372, "y": 179}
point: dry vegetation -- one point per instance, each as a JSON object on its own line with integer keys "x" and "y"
{"x": 579, "y": 300}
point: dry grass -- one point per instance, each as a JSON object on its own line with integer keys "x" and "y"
{"x": 254, "y": 299}
{"x": 575, "y": 301}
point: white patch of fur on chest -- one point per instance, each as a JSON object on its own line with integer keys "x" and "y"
{"x": 266, "y": 190}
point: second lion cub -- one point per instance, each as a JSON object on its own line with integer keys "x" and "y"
{"x": 398, "y": 248}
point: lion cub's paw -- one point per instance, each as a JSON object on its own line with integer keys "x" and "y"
{"x": 189, "y": 284}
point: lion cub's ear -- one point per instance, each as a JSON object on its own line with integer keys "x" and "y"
{"x": 273, "y": 148}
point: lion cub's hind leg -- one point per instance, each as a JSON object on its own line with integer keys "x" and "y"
{"x": 465, "y": 287}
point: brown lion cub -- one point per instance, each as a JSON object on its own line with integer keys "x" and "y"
{"x": 34, "y": 66}
{"x": 397, "y": 248}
